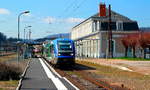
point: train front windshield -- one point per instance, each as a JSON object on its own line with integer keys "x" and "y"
{"x": 65, "y": 46}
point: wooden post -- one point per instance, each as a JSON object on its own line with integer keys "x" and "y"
{"x": 110, "y": 51}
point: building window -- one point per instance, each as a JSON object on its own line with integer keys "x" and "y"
{"x": 113, "y": 46}
{"x": 129, "y": 52}
{"x": 99, "y": 25}
{"x": 95, "y": 26}
{"x": 119, "y": 25}
{"x": 130, "y": 26}
{"x": 113, "y": 25}
{"x": 104, "y": 25}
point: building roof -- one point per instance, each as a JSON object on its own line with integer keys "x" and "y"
{"x": 114, "y": 17}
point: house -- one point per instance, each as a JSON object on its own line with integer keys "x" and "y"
{"x": 91, "y": 35}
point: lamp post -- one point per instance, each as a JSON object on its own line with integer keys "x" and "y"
{"x": 30, "y": 34}
{"x": 25, "y": 32}
{"x": 19, "y": 22}
{"x": 25, "y": 45}
{"x": 19, "y": 33}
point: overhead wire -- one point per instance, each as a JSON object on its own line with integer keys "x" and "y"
{"x": 77, "y": 7}
{"x": 71, "y": 8}
{"x": 67, "y": 8}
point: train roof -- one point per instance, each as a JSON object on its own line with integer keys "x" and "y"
{"x": 61, "y": 39}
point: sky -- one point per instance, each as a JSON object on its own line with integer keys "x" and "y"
{"x": 59, "y": 16}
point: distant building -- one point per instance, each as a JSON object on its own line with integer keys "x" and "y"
{"x": 59, "y": 35}
{"x": 54, "y": 36}
{"x": 145, "y": 29}
{"x": 91, "y": 35}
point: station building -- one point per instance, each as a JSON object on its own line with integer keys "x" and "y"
{"x": 91, "y": 35}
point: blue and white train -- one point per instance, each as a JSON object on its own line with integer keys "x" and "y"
{"x": 60, "y": 51}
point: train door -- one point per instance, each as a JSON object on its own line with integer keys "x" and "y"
{"x": 52, "y": 50}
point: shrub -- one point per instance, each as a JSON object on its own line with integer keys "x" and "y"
{"x": 9, "y": 72}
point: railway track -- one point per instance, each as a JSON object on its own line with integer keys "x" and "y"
{"x": 84, "y": 81}
{"x": 75, "y": 80}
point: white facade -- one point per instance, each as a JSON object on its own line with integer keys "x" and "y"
{"x": 88, "y": 39}
{"x": 91, "y": 36}
{"x": 85, "y": 28}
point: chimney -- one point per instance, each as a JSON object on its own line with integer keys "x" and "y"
{"x": 102, "y": 10}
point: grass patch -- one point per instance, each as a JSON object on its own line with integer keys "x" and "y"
{"x": 6, "y": 58}
{"x": 114, "y": 72}
{"x": 132, "y": 80}
{"x": 9, "y": 72}
{"x": 73, "y": 73}
{"x": 8, "y": 85}
{"x": 131, "y": 59}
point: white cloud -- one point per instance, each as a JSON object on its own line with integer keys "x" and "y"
{"x": 74, "y": 20}
{"x": 4, "y": 11}
{"x": 49, "y": 19}
{"x": 65, "y": 20}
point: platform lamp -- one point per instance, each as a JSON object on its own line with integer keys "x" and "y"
{"x": 25, "y": 12}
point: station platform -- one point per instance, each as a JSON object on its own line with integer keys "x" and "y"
{"x": 40, "y": 77}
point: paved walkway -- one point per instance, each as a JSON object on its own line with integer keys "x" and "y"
{"x": 36, "y": 78}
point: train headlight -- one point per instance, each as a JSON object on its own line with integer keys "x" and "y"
{"x": 71, "y": 54}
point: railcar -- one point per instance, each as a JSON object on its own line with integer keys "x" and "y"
{"x": 60, "y": 51}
